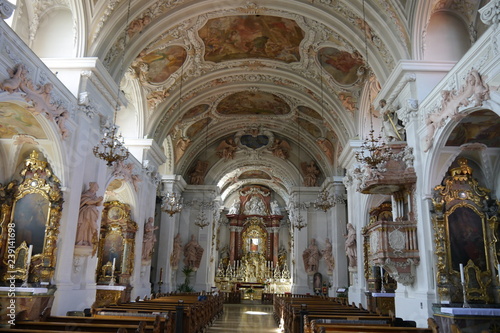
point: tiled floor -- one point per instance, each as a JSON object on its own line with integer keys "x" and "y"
{"x": 245, "y": 318}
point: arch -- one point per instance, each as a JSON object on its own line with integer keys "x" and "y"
{"x": 55, "y": 37}
{"x": 447, "y": 38}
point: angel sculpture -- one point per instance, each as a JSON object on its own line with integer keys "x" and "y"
{"x": 280, "y": 148}
{"x": 311, "y": 173}
{"x": 226, "y": 149}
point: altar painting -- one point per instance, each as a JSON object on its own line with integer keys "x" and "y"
{"x": 30, "y": 216}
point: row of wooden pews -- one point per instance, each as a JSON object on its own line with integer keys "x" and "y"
{"x": 314, "y": 314}
{"x": 186, "y": 313}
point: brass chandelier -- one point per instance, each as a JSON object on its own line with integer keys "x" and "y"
{"x": 374, "y": 152}
{"x": 111, "y": 147}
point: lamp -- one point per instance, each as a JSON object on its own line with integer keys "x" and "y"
{"x": 297, "y": 219}
{"x": 111, "y": 147}
{"x": 373, "y": 151}
{"x": 172, "y": 203}
{"x": 202, "y": 221}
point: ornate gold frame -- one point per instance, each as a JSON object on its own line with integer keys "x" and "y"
{"x": 460, "y": 193}
{"x": 255, "y": 230}
{"x": 37, "y": 179}
{"x": 116, "y": 222}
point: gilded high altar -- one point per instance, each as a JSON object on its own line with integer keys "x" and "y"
{"x": 254, "y": 223}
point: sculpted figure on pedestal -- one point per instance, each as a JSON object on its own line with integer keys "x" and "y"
{"x": 86, "y": 233}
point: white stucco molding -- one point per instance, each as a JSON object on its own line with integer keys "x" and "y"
{"x": 6, "y": 9}
{"x": 490, "y": 13}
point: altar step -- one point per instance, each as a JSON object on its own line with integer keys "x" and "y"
{"x": 248, "y": 317}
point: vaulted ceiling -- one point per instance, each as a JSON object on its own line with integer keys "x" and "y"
{"x": 249, "y": 91}
{"x": 253, "y": 90}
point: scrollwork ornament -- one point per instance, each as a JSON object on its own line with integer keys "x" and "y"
{"x": 6, "y": 9}
{"x": 490, "y": 13}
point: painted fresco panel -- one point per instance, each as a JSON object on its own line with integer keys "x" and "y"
{"x": 196, "y": 111}
{"x": 310, "y": 128}
{"x": 341, "y": 65}
{"x": 309, "y": 112}
{"x": 162, "y": 63}
{"x": 197, "y": 127}
{"x": 251, "y": 36}
{"x": 481, "y": 126}
{"x": 253, "y": 103}
{"x": 16, "y": 120}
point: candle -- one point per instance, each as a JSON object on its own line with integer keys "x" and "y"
{"x": 381, "y": 274}
{"x": 462, "y": 277}
{"x": 30, "y": 250}
{"x": 113, "y": 267}
{"x": 161, "y": 274}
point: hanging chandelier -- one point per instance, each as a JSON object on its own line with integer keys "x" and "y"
{"x": 172, "y": 203}
{"x": 111, "y": 147}
{"x": 374, "y": 152}
{"x": 324, "y": 201}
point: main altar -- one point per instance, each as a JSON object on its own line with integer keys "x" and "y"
{"x": 254, "y": 263}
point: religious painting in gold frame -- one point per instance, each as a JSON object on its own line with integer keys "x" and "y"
{"x": 254, "y": 238}
{"x": 33, "y": 213}
{"x": 116, "y": 243}
{"x": 464, "y": 234}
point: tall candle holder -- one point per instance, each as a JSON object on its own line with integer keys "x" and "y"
{"x": 28, "y": 264}
{"x": 466, "y": 305}
{"x": 112, "y": 280}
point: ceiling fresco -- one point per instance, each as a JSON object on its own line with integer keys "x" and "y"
{"x": 17, "y": 120}
{"x": 253, "y": 103}
{"x": 160, "y": 63}
{"x": 251, "y": 36}
{"x": 195, "y": 111}
{"x": 309, "y": 112}
{"x": 197, "y": 127}
{"x": 254, "y": 174}
{"x": 309, "y": 127}
{"x": 341, "y": 65}
{"x": 479, "y": 127}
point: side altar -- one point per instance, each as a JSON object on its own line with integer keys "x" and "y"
{"x": 254, "y": 264}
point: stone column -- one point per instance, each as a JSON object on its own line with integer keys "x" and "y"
{"x": 232, "y": 244}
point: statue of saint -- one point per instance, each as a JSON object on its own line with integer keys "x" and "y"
{"x": 176, "y": 252}
{"x": 328, "y": 256}
{"x": 149, "y": 239}
{"x": 192, "y": 254}
{"x": 311, "y": 257}
{"x": 350, "y": 245}
{"x": 86, "y": 232}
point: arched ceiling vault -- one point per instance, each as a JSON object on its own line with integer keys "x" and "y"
{"x": 293, "y": 69}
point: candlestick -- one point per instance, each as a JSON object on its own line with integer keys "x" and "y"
{"x": 382, "y": 287}
{"x": 161, "y": 274}
{"x": 498, "y": 272}
{"x": 113, "y": 267}
{"x": 28, "y": 264}
{"x": 462, "y": 276}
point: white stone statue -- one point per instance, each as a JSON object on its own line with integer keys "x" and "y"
{"x": 350, "y": 245}
{"x": 235, "y": 208}
{"x": 275, "y": 209}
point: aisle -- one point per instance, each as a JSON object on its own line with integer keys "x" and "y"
{"x": 245, "y": 318}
